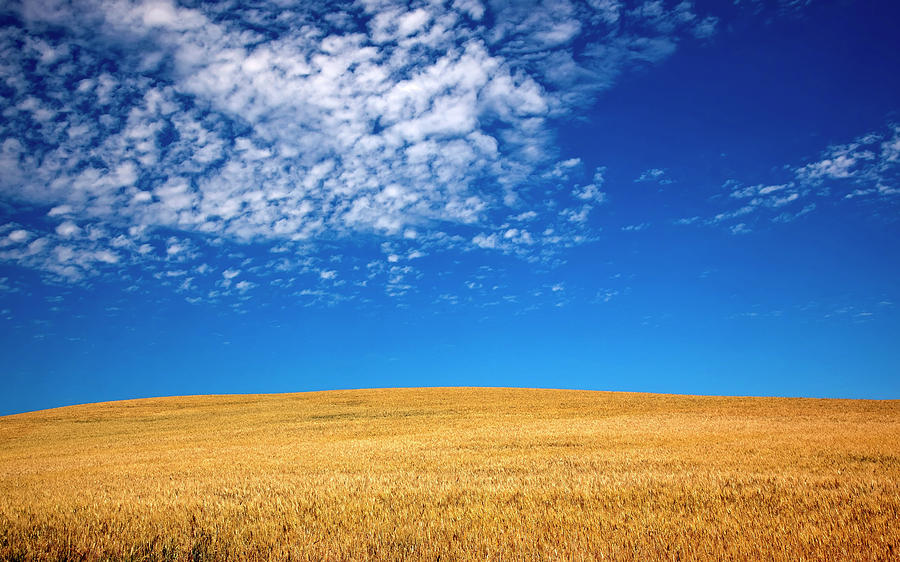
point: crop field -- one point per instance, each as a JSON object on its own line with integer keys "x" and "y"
{"x": 452, "y": 474}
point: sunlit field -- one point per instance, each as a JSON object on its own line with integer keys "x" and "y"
{"x": 452, "y": 474}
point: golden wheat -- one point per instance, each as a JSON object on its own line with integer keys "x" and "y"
{"x": 452, "y": 474}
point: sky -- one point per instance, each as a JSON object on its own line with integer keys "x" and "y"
{"x": 269, "y": 196}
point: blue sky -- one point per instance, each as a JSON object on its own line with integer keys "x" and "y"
{"x": 270, "y": 197}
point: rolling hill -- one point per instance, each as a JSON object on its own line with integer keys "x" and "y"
{"x": 452, "y": 474}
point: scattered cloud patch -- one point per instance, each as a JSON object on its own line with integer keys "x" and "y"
{"x": 654, "y": 175}
{"x": 866, "y": 168}
{"x": 869, "y": 166}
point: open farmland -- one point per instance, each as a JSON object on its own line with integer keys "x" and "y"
{"x": 450, "y": 474}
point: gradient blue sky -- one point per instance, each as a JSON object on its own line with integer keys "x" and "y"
{"x": 274, "y": 196}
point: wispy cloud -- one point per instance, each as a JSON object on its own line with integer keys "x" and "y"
{"x": 867, "y": 167}
{"x": 655, "y": 175}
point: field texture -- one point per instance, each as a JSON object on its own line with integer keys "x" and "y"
{"x": 452, "y": 474}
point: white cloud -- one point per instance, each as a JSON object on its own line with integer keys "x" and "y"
{"x": 106, "y": 256}
{"x": 472, "y": 8}
{"x": 840, "y": 166}
{"x": 609, "y": 10}
{"x": 706, "y": 27}
{"x": 724, "y": 216}
{"x": 577, "y": 215}
{"x": 866, "y": 167}
{"x": 657, "y": 175}
{"x": 68, "y": 229}
{"x": 563, "y": 168}
{"x": 870, "y": 164}
{"x": 174, "y": 248}
{"x": 343, "y": 131}
{"x": 589, "y": 192}
{"x": 485, "y": 241}
{"x": 525, "y": 216}
{"x": 208, "y": 131}
{"x": 412, "y": 22}
{"x": 606, "y": 295}
{"x": 18, "y": 235}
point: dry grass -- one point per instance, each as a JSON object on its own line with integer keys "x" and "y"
{"x": 451, "y": 474}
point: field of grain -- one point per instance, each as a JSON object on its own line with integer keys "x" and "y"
{"x": 452, "y": 474}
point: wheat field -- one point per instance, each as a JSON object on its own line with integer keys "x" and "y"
{"x": 452, "y": 474}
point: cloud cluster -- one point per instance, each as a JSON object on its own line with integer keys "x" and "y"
{"x": 654, "y": 175}
{"x": 130, "y": 123}
{"x": 867, "y": 167}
